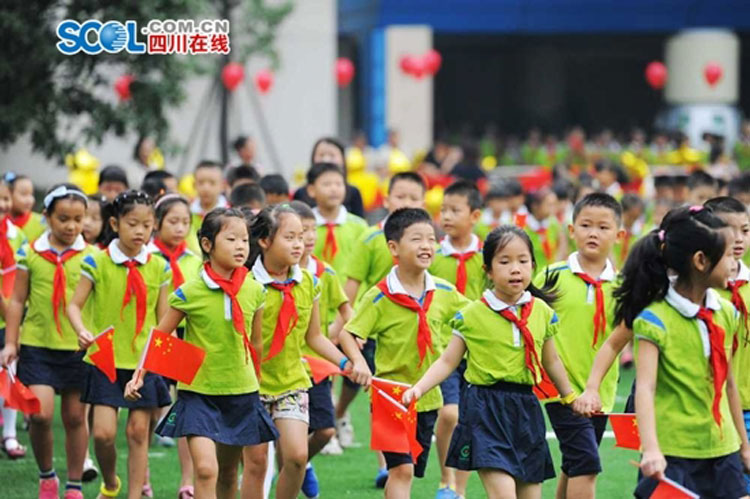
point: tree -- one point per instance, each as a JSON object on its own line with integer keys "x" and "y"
{"x": 64, "y": 102}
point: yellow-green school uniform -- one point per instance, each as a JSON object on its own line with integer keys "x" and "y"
{"x": 622, "y": 248}
{"x": 196, "y": 220}
{"x": 741, "y": 358}
{"x": 285, "y": 372}
{"x": 545, "y": 238}
{"x": 106, "y": 271}
{"x": 394, "y": 328}
{"x": 347, "y": 231}
{"x": 16, "y": 239}
{"x": 226, "y": 369}
{"x": 685, "y": 426}
{"x": 445, "y": 266}
{"x": 488, "y": 222}
{"x": 34, "y": 227}
{"x": 332, "y": 296}
{"x": 190, "y": 264}
{"x": 575, "y": 307}
{"x": 373, "y": 260}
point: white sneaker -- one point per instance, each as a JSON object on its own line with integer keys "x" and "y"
{"x": 332, "y": 448}
{"x": 345, "y": 431}
{"x": 89, "y": 470}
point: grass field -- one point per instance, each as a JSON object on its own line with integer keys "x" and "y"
{"x": 349, "y": 475}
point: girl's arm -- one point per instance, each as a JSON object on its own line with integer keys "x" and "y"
{"x": 256, "y": 335}
{"x": 555, "y": 369}
{"x": 162, "y": 305}
{"x": 605, "y": 357}
{"x": 653, "y": 463}
{"x": 735, "y": 406}
{"x": 438, "y": 371}
{"x": 14, "y": 313}
{"x": 85, "y": 338}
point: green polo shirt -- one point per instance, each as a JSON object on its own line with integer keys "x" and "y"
{"x": 349, "y": 228}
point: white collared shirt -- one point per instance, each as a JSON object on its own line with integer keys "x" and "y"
{"x": 498, "y": 305}
{"x": 312, "y": 265}
{"x": 195, "y": 206}
{"x": 262, "y": 276}
{"x": 608, "y": 274}
{"x": 396, "y": 288}
{"x": 448, "y": 249}
{"x": 42, "y": 244}
{"x": 117, "y": 256}
{"x": 340, "y": 218}
{"x": 535, "y": 225}
{"x": 12, "y": 230}
{"x": 214, "y": 285}
{"x": 743, "y": 274}
{"x": 489, "y": 219}
{"x": 688, "y": 309}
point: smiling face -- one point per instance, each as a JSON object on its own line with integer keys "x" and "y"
{"x": 416, "y": 248}
{"x": 287, "y": 245}
{"x": 23, "y": 196}
{"x": 66, "y": 220}
{"x": 309, "y": 234}
{"x": 739, "y": 223}
{"x": 726, "y": 266}
{"x": 595, "y": 231}
{"x": 5, "y": 200}
{"x": 231, "y": 244}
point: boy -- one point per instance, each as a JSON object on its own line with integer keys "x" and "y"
{"x": 338, "y": 230}
{"x": 248, "y": 195}
{"x": 276, "y": 188}
{"x": 209, "y": 184}
{"x": 585, "y": 308}
{"x": 169, "y": 180}
{"x": 606, "y": 174}
{"x": 388, "y": 313}
{"x": 701, "y": 187}
{"x": 243, "y": 174}
{"x": 112, "y": 181}
{"x": 459, "y": 261}
{"x": 332, "y": 301}
{"x": 633, "y": 224}
{"x": 496, "y": 203}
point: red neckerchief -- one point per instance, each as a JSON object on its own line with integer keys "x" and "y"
{"x": 287, "y": 319}
{"x": 718, "y": 359}
{"x": 424, "y": 335}
{"x": 625, "y": 247}
{"x": 462, "y": 258}
{"x": 173, "y": 257}
{"x": 330, "y": 247}
{"x": 135, "y": 286}
{"x": 7, "y": 260}
{"x": 59, "y": 281}
{"x": 600, "y": 314}
{"x": 21, "y": 220}
{"x": 232, "y": 288}
{"x": 546, "y": 244}
{"x": 519, "y": 219}
{"x": 738, "y": 302}
{"x": 319, "y": 266}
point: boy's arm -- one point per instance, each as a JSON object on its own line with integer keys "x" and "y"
{"x": 438, "y": 371}
{"x": 350, "y": 288}
{"x": 605, "y": 357}
{"x": 345, "y": 313}
{"x": 735, "y": 406}
{"x": 14, "y": 313}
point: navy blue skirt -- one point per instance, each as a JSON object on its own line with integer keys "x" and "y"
{"x": 99, "y": 391}
{"x": 322, "y": 414}
{"x": 238, "y": 420}
{"x": 488, "y": 434}
{"x": 60, "y": 369}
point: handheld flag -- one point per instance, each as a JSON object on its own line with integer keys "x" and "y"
{"x": 104, "y": 357}
{"x": 321, "y": 368}
{"x": 20, "y": 397}
{"x": 669, "y": 489}
{"x": 626, "y": 431}
{"x": 394, "y": 427}
{"x": 171, "y": 357}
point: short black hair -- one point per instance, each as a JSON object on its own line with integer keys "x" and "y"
{"x": 213, "y": 223}
{"x": 239, "y": 142}
{"x": 725, "y": 204}
{"x": 496, "y": 191}
{"x": 154, "y": 187}
{"x": 739, "y": 185}
{"x": 598, "y": 199}
{"x": 699, "y": 178}
{"x": 209, "y": 163}
{"x": 605, "y": 165}
{"x": 407, "y": 176}
{"x": 513, "y": 187}
{"x": 126, "y": 201}
{"x": 303, "y": 210}
{"x": 563, "y": 189}
{"x": 158, "y": 175}
{"x": 113, "y": 173}
{"x": 662, "y": 181}
{"x": 466, "y": 189}
{"x": 242, "y": 172}
{"x": 274, "y": 183}
{"x": 319, "y": 169}
{"x": 402, "y": 219}
{"x": 630, "y": 201}
{"x": 244, "y": 194}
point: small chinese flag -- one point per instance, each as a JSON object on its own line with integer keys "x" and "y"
{"x": 20, "y": 397}
{"x": 669, "y": 489}
{"x": 104, "y": 357}
{"x": 321, "y": 368}
{"x": 545, "y": 389}
{"x": 626, "y": 431}
{"x": 171, "y": 357}
{"x": 394, "y": 427}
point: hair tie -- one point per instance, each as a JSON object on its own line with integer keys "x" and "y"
{"x": 61, "y": 192}
{"x": 696, "y": 208}
{"x": 661, "y": 235}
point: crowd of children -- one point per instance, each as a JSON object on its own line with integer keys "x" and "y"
{"x": 514, "y": 304}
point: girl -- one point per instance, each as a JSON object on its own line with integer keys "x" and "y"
{"x": 221, "y": 411}
{"x": 128, "y": 289}
{"x": 11, "y": 239}
{"x": 690, "y": 423}
{"x": 291, "y": 318}
{"x": 542, "y": 227}
{"x": 172, "y": 227}
{"x": 502, "y": 334}
{"x": 22, "y": 192}
{"x": 94, "y": 229}
{"x": 48, "y": 271}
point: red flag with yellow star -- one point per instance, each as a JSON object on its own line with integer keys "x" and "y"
{"x": 104, "y": 357}
{"x": 626, "y": 431}
{"x": 171, "y": 357}
{"x": 394, "y": 427}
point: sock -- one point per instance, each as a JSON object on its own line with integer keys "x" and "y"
{"x": 43, "y": 475}
{"x": 9, "y": 423}
{"x": 309, "y": 465}
{"x": 74, "y": 485}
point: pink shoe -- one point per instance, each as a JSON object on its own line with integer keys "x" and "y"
{"x": 147, "y": 491}
{"x": 73, "y": 494}
{"x": 49, "y": 488}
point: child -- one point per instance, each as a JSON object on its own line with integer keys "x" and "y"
{"x": 276, "y": 188}
{"x": 243, "y": 174}
{"x": 163, "y": 176}
{"x": 249, "y": 195}
{"x": 128, "y": 290}
{"x": 541, "y": 226}
{"x": 112, "y": 181}
{"x": 496, "y": 203}
{"x": 22, "y": 193}
{"x": 50, "y": 362}
{"x": 405, "y": 313}
{"x": 633, "y": 225}
{"x": 338, "y": 230}
{"x": 291, "y": 318}
{"x": 94, "y": 227}
{"x": 458, "y": 260}
{"x": 11, "y": 239}
{"x": 683, "y": 337}
{"x": 516, "y": 212}
{"x": 220, "y": 412}
{"x": 607, "y": 174}
{"x": 209, "y": 185}
{"x": 501, "y": 431}
{"x": 332, "y": 301}
{"x": 584, "y": 283}
{"x": 701, "y": 187}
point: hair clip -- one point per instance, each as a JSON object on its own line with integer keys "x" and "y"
{"x": 696, "y": 208}
{"x": 10, "y": 177}
{"x": 661, "y": 235}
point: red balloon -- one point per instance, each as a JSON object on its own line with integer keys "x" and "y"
{"x": 432, "y": 61}
{"x": 713, "y": 73}
{"x": 122, "y": 86}
{"x": 419, "y": 69}
{"x": 407, "y": 64}
{"x": 656, "y": 74}
{"x": 232, "y": 75}
{"x": 264, "y": 80}
{"x": 344, "y": 71}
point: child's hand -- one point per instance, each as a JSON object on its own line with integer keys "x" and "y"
{"x": 653, "y": 464}
{"x": 358, "y": 372}
{"x": 135, "y": 384}
{"x": 8, "y": 355}
{"x": 578, "y": 407}
{"x": 745, "y": 456}
{"x": 85, "y": 339}
{"x": 412, "y": 393}
{"x": 589, "y": 403}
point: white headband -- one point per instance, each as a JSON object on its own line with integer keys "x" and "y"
{"x": 61, "y": 192}
{"x": 167, "y": 197}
